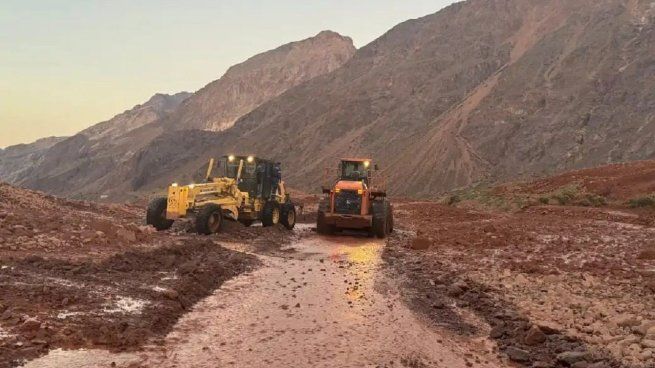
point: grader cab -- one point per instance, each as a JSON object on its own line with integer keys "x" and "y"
{"x": 247, "y": 189}
{"x": 356, "y": 200}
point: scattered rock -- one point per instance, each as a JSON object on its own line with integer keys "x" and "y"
{"x": 572, "y": 357}
{"x": 126, "y": 235}
{"x": 534, "y": 336}
{"x": 648, "y": 344}
{"x": 420, "y": 243}
{"x": 170, "y": 294}
{"x": 517, "y": 355}
{"x": 30, "y": 325}
{"x": 626, "y": 320}
{"x": 647, "y": 254}
{"x": 455, "y": 291}
{"x": 497, "y": 332}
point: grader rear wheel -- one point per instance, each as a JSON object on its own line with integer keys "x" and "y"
{"x": 288, "y": 214}
{"x": 271, "y": 214}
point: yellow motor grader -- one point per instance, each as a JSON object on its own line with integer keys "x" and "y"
{"x": 248, "y": 189}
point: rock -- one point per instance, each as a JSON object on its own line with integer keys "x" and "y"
{"x": 455, "y": 291}
{"x": 7, "y": 314}
{"x": 598, "y": 365}
{"x": 497, "y": 332}
{"x": 420, "y": 244}
{"x": 572, "y": 357}
{"x": 126, "y": 235}
{"x": 147, "y": 229}
{"x": 646, "y": 355}
{"x": 648, "y": 344}
{"x": 582, "y": 364}
{"x": 30, "y": 325}
{"x": 650, "y": 332}
{"x": 170, "y": 294}
{"x": 549, "y": 328}
{"x": 626, "y": 320}
{"x": 534, "y": 336}
{"x": 629, "y": 341}
{"x": 517, "y": 355}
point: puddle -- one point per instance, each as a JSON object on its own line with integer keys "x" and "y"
{"x": 126, "y": 305}
{"x": 327, "y": 305}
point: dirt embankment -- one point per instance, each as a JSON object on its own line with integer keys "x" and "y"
{"x": 551, "y": 285}
{"x": 82, "y": 275}
{"x": 619, "y": 184}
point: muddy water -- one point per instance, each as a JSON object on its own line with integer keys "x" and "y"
{"x": 325, "y": 305}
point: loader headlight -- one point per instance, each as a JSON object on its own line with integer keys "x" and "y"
{"x": 230, "y": 158}
{"x": 191, "y": 186}
{"x": 174, "y": 184}
{"x": 360, "y": 191}
{"x": 250, "y": 159}
{"x": 367, "y": 164}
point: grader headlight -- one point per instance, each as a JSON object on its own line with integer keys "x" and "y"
{"x": 250, "y": 159}
{"x": 367, "y": 164}
{"x": 231, "y": 158}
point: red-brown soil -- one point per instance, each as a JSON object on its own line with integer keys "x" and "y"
{"x": 81, "y": 275}
{"x": 540, "y": 281}
{"x": 619, "y": 182}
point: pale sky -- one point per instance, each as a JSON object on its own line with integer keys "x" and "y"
{"x": 68, "y": 64}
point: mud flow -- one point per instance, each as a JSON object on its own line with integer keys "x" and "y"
{"x": 324, "y": 302}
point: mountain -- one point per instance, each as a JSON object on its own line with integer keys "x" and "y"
{"x": 484, "y": 90}
{"x": 247, "y": 85}
{"x": 14, "y": 160}
{"x": 74, "y": 164}
{"x": 95, "y": 160}
{"x": 157, "y": 107}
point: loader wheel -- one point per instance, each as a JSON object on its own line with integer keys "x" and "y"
{"x": 271, "y": 214}
{"x": 380, "y": 219}
{"x": 156, "y": 214}
{"x": 288, "y": 214}
{"x": 209, "y": 220}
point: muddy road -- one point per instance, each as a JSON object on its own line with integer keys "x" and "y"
{"x": 319, "y": 302}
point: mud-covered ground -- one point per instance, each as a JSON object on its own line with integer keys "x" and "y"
{"x": 84, "y": 275}
{"x": 551, "y": 285}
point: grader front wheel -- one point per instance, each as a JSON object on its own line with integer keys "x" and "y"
{"x": 209, "y": 220}
{"x": 156, "y": 214}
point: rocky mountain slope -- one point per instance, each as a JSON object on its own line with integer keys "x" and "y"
{"x": 16, "y": 159}
{"x": 95, "y": 160}
{"x": 482, "y": 90}
{"x": 77, "y": 163}
{"x": 247, "y": 85}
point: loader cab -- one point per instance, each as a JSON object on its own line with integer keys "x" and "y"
{"x": 355, "y": 170}
{"x": 256, "y": 174}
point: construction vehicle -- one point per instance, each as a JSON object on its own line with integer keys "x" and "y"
{"x": 248, "y": 189}
{"x": 357, "y": 200}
